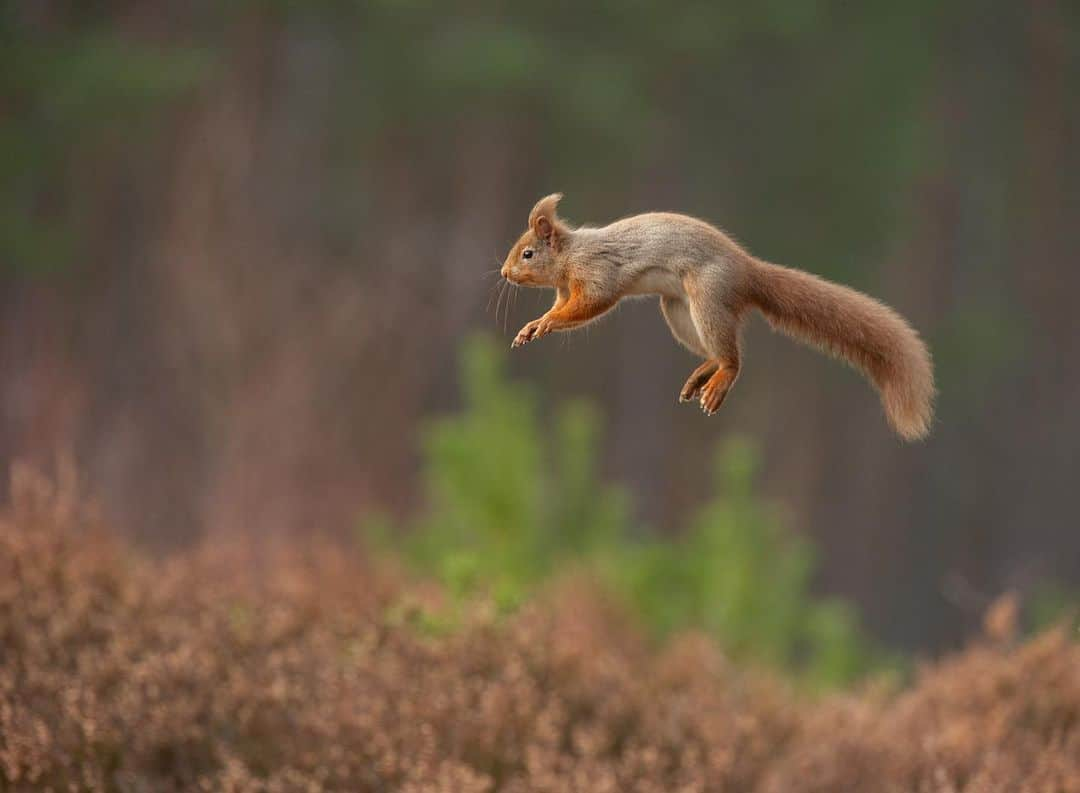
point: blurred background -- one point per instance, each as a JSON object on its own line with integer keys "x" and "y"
{"x": 242, "y": 244}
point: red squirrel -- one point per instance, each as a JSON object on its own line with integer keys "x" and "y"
{"x": 706, "y": 282}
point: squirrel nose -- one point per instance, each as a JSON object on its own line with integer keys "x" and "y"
{"x": 505, "y": 272}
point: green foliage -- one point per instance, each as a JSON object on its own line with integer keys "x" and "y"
{"x": 594, "y": 86}
{"x": 741, "y": 576}
{"x": 1054, "y": 603}
{"x": 603, "y": 83}
{"x": 75, "y": 90}
{"x": 511, "y": 503}
{"x": 508, "y": 501}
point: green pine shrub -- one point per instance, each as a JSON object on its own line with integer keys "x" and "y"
{"x": 512, "y": 503}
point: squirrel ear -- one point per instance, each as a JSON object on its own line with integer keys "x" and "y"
{"x": 543, "y": 219}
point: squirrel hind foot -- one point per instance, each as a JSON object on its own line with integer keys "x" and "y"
{"x": 715, "y": 391}
{"x": 691, "y": 390}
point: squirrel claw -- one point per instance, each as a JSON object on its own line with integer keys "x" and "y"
{"x": 524, "y": 336}
{"x": 533, "y": 330}
{"x": 715, "y": 391}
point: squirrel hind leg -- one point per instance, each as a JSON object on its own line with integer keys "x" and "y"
{"x": 718, "y": 328}
{"x": 677, "y": 314}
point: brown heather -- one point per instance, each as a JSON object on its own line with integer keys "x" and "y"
{"x": 297, "y": 668}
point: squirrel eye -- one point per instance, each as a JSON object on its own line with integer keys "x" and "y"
{"x": 527, "y": 253}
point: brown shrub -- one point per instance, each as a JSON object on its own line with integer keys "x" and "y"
{"x": 287, "y": 668}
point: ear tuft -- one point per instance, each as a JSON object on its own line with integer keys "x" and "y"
{"x": 544, "y": 221}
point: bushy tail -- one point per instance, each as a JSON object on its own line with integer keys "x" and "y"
{"x": 858, "y": 329}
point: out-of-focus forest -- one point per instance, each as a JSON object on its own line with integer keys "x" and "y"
{"x": 241, "y": 245}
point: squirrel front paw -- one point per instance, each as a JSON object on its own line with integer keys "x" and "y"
{"x": 532, "y": 330}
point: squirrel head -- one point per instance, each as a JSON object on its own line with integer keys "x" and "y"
{"x": 534, "y": 259}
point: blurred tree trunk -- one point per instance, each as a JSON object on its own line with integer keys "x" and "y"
{"x": 1047, "y": 234}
